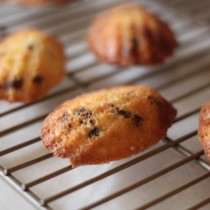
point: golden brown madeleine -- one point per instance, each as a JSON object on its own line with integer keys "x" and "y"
{"x": 107, "y": 125}
{"x": 40, "y": 2}
{"x": 204, "y": 128}
{"x": 127, "y": 35}
{"x": 31, "y": 63}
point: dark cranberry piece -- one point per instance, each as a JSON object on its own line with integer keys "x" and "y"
{"x": 38, "y": 80}
{"x": 94, "y": 132}
{"x": 137, "y": 120}
{"x": 84, "y": 113}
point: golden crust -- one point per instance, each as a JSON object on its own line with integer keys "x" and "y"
{"x": 204, "y": 128}
{"x": 107, "y": 125}
{"x": 31, "y": 63}
{"x": 127, "y": 35}
{"x": 40, "y": 2}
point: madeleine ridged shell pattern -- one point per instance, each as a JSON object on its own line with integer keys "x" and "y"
{"x": 127, "y": 35}
{"x": 31, "y": 63}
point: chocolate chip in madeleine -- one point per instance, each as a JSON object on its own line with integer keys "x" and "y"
{"x": 38, "y": 80}
{"x": 154, "y": 101}
{"x": 94, "y": 132}
{"x": 124, "y": 113}
{"x": 92, "y": 121}
{"x": 84, "y": 113}
{"x": 16, "y": 84}
{"x": 65, "y": 117}
{"x": 137, "y": 120}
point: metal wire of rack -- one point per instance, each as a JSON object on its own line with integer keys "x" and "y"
{"x": 173, "y": 174}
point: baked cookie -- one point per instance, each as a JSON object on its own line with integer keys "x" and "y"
{"x": 107, "y": 125}
{"x": 40, "y": 2}
{"x": 31, "y": 62}
{"x": 204, "y": 128}
{"x": 127, "y": 35}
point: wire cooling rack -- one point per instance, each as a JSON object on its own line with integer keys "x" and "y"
{"x": 173, "y": 174}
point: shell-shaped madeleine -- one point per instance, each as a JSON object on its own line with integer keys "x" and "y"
{"x": 107, "y": 125}
{"x": 128, "y": 35}
{"x": 204, "y": 128}
{"x": 31, "y": 63}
